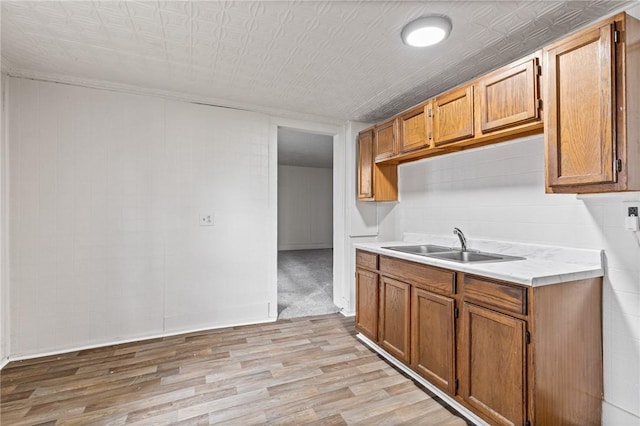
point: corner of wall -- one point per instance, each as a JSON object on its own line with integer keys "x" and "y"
{"x": 4, "y": 285}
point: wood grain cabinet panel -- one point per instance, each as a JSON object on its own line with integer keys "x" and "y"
{"x": 395, "y": 318}
{"x": 367, "y": 260}
{"x": 511, "y": 298}
{"x": 493, "y": 366}
{"x": 367, "y": 303}
{"x": 386, "y": 139}
{"x": 428, "y": 277}
{"x": 415, "y": 128}
{"x": 591, "y": 86}
{"x": 365, "y": 165}
{"x": 509, "y": 96}
{"x": 376, "y": 182}
{"x": 580, "y": 139}
{"x": 433, "y": 338}
{"x": 453, "y": 116}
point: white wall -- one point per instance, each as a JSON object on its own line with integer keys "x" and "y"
{"x": 4, "y": 294}
{"x": 362, "y": 219}
{"x": 498, "y": 193}
{"x": 105, "y": 193}
{"x": 305, "y": 208}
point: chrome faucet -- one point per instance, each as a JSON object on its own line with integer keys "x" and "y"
{"x": 463, "y": 240}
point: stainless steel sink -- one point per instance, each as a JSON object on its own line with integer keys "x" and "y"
{"x": 423, "y": 249}
{"x": 447, "y": 253}
{"x": 473, "y": 257}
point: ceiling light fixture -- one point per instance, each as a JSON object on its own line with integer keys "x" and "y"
{"x": 426, "y": 31}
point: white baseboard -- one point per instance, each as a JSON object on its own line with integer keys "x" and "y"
{"x": 3, "y": 362}
{"x": 614, "y": 416}
{"x": 309, "y": 246}
{"x": 446, "y": 398}
{"x": 134, "y": 339}
{"x": 347, "y": 314}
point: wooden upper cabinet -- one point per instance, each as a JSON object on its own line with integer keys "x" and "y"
{"x": 376, "y": 182}
{"x": 580, "y": 74}
{"x": 365, "y": 165}
{"x": 453, "y": 116}
{"x": 509, "y": 96}
{"x": 386, "y": 139}
{"x": 415, "y": 128}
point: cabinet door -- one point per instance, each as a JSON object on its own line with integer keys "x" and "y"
{"x": 386, "y": 140}
{"x": 433, "y": 338}
{"x": 509, "y": 96}
{"x": 493, "y": 367}
{"x": 395, "y": 317}
{"x": 365, "y": 165}
{"x": 414, "y": 128}
{"x": 367, "y": 303}
{"x": 579, "y": 109}
{"x": 453, "y": 116}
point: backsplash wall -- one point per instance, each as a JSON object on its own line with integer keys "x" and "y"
{"x": 497, "y": 193}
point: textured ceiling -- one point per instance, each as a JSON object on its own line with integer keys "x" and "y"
{"x": 335, "y": 59}
{"x": 302, "y": 149}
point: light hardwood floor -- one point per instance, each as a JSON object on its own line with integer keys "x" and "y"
{"x": 303, "y": 371}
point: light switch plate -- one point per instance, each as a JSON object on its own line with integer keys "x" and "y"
{"x": 206, "y": 219}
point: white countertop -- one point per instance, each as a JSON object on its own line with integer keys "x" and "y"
{"x": 543, "y": 265}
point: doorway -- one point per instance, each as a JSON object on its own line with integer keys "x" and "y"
{"x": 305, "y": 224}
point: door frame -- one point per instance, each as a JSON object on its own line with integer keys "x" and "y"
{"x": 339, "y": 194}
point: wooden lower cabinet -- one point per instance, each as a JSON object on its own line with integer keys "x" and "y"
{"x": 516, "y": 354}
{"x": 367, "y": 301}
{"x": 493, "y": 364}
{"x": 433, "y": 338}
{"x": 395, "y": 329}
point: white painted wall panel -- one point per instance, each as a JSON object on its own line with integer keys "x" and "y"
{"x": 498, "y": 193}
{"x": 4, "y": 293}
{"x": 105, "y": 193}
{"x": 305, "y": 208}
{"x": 219, "y": 164}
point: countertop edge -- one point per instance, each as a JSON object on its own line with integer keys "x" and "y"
{"x": 519, "y": 271}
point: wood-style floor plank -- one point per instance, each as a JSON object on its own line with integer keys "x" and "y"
{"x": 309, "y": 371}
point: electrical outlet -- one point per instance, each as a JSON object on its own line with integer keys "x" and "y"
{"x": 631, "y": 220}
{"x": 206, "y": 219}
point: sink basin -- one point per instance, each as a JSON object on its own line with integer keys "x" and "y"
{"x": 423, "y": 249}
{"x": 473, "y": 257}
{"x": 447, "y": 253}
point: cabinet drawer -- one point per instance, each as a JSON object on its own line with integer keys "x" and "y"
{"x": 422, "y": 276}
{"x": 490, "y": 293}
{"x": 364, "y": 259}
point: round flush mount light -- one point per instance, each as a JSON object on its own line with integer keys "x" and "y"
{"x": 426, "y": 31}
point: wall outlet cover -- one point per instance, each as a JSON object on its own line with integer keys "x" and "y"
{"x": 631, "y": 208}
{"x": 206, "y": 219}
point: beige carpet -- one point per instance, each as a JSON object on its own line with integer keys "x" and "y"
{"x": 305, "y": 283}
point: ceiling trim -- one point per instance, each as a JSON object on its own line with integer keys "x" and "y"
{"x": 165, "y": 94}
